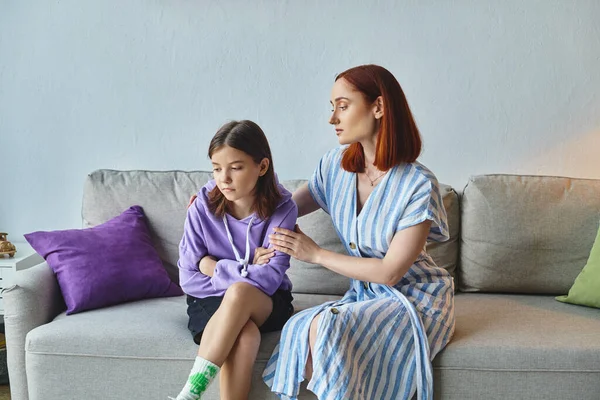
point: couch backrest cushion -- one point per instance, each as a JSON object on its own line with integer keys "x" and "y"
{"x": 164, "y": 197}
{"x": 526, "y": 234}
{"x": 445, "y": 254}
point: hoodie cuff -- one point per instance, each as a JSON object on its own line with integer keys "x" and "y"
{"x": 226, "y": 272}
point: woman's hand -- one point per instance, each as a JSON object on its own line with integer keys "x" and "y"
{"x": 191, "y": 200}
{"x": 207, "y": 265}
{"x": 296, "y": 244}
{"x": 262, "y": 255}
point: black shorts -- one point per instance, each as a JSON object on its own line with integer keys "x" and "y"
{"x": 201, "y": 310}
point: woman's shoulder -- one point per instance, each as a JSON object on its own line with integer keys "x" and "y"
{"x": 412, "y": 178}
{"x": 416, "y": 173}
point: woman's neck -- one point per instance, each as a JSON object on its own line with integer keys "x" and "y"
{"x": 369, "y": 147}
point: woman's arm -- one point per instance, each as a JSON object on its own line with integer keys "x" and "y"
{"x": 404, "y": 249}
{"x": 304, "y": 200}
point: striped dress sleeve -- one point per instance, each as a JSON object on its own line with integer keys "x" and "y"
{"x": 317, "y": 183}
{"x": 426, "y": 204}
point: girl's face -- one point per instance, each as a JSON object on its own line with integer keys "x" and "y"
{"x": 236, "y": 173}
{"x": 355, "y": 120}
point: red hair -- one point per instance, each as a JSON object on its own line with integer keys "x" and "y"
{"x": 398, "y": 140}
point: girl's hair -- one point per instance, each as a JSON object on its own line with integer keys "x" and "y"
{"x": 246, "y": 136}
{"x": 398, "y": 140}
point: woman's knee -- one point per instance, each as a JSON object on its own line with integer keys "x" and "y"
{"x": 312, "y": 334}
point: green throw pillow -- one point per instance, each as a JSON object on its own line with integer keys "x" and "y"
{"x": 586, "y": 289}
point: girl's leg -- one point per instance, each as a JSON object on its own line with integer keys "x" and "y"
{"x": 312, "y": 340}
{"x": 242, "y": 303}
{"x": 236, "y": 373}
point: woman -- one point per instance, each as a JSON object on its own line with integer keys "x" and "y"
{"x": 378, "y": 341}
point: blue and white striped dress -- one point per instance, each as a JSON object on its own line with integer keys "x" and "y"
{"x": 378, "y": 341}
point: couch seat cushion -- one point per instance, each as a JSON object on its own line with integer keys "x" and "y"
{"x": 499, "y": 332}
{"x": 522, "y": 333}
{"x": 147, "y": 329}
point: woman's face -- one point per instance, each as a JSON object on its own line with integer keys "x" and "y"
{"x": 355, "y": 120}
{"x": 236, "y": 173}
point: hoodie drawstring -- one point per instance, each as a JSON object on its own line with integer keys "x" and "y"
{"x": 243, "y": 261}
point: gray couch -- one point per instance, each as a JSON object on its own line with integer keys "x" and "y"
{"x": 516, "y": 241}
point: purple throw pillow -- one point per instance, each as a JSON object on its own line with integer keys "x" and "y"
{"x": 108, "y": 264}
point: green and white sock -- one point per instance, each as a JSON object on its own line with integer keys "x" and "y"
{"x": 200, "y": 378}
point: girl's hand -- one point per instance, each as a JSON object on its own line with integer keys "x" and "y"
{"x": 296, "y": 244}
{"x": 262, "y": 255}
{"x": 207, "y": 265}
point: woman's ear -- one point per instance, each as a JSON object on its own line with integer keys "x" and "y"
{"x": 378, "y": 107}
{"x": 264, "y": 166}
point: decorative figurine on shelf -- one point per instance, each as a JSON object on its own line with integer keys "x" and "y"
{"x": 6, "y": 247}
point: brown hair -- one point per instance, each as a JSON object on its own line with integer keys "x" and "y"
{"x": 398, "y": 140}
{"x": 246, "y": 136}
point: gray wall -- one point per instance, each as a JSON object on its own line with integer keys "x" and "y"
{"x": 509, "y": 86}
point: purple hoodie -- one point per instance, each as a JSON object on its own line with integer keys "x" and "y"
{"x": 206, "y": 234}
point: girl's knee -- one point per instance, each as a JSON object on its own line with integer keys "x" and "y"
{"x": 239, "y": 292}
{"x": 247, "y": 301}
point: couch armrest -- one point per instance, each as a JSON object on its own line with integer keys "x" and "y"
{"x": 34, "y": 299}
